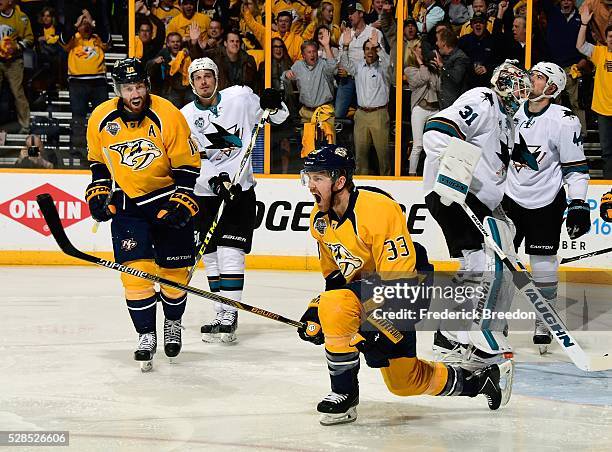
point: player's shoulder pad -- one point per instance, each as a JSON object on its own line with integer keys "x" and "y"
{"x": 565, "y": 115}
{"x": 236, "y": 90}
{"x": 106, "y": 109}
{"x": 374, "y": 190}
{"x": 372, "y": 199}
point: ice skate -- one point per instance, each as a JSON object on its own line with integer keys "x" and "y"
{"x": 542, "y": 337}
{"x": 147, "y": 346}
{"x": 229, "y": 324}
{"x": 210, "y": 331}
{"x": 496, "y": 383}
{"x": 338, "y": 408}
{"x": 474, "y": 359}
{"x": 172, "y": 338}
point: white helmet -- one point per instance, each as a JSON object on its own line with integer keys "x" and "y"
{"x": 203, "y": 64}
{"x": 555, "y": 76}
{"x": 512, "y": 84}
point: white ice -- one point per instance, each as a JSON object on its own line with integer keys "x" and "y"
{"x": 66, "y": 343}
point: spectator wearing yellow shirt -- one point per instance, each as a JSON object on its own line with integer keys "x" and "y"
{"x": 601, "y": 56}
{"x": 324, "y": 16}
{"x": 181, "y": 23}
{"x": 293, "y": 41}
{"x": 300, "y": 13}
{"x": 166, "y": 11}
{"x": 248, "y": 38}
{"x": 16, "y": 35}
{"x": 478, "y": 6}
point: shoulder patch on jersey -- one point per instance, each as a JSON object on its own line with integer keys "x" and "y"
{"x": 488, "y": 96}
{"x": 320, "y": 225}
{"x": 577, "y": 139}
{"x": 567, "y": 113}
{"x": 137, "y": 154}
{"x": 346, "y": 262}
{"x": 113, "y": 128}
{"x": 199, "y": 123}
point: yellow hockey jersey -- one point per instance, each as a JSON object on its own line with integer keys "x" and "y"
{"x": 372, "y": 236}
{"x": 180, "y": 24}
{"x": 86, "y": 57}
{"x": 15, "y": 34}
{"x": 143, "y": 154}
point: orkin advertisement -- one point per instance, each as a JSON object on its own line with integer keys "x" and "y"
{"x": 283, "y": 209}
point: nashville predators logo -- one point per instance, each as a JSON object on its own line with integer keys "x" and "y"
{"x": 346, "y": 262}
{"x": 137, "y": 154}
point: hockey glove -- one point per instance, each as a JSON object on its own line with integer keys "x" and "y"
{"x": 179, "y": 209}
{"x": 221, "y": 186}
{"x": 605, "y": 207}
{"x": 578, "y": 220}
{"x": 375, "y": 346}
{"x": 97, "y": 197}
{"x": 312, "y": 332}
{"x": 271, "y": 99}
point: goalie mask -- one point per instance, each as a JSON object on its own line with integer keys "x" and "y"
{"x": 512, "y": 84}
{"x": 203, "y": 64}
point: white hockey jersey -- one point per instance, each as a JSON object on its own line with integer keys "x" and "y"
{"x": 547, "y": 152}
{"x": 475, "y": 117}
{"x": 223, "y": 133}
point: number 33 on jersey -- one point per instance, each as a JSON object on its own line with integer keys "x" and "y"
{"x": 371, "y": 237}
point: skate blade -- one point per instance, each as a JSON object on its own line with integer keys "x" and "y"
{"x": 226, "y": 338}
{"x": 340, "y": 418}
{"x": 506, "y": 375}
{"x": 146, "y": 366}
{"x": 172, "y": 359}
{"x": 211, "y": 338}
{"x": 445, "y": 356}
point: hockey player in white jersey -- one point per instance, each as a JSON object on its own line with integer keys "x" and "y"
{"x": 547, "y": 155}
{"x": 481, "y": 117}
{"x": 221, "y": 123}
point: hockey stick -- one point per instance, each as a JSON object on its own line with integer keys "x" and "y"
{"x": 96, "y": 225}
{"x": 526, "y": 287}
{"x": 213, "y": 226}
{"x": 565, "y": 260}
{"x": 49, "y": 212}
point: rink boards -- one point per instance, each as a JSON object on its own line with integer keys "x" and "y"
{"x": 281, "y": 240}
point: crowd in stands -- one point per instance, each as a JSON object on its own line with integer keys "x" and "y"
{"x": 335, "y": 61}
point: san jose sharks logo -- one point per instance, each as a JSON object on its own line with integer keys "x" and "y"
{"x": 488, "y": 97}
{"x": 137, "y": 154}
{"x": 346, "y": 262}
{"x": 224, "y": 140}
{"x": 525, "y": 156}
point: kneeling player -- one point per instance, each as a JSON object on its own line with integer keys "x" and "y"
{"x": 547, "y": 155}
{"x": 361, "y": 231}
{"x": 142, "y": 140}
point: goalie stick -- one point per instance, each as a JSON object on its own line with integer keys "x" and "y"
{"x": 565, "y": 260}
{"x": 49, "y": 212}
{"x": 524, "y": 283}
{"x": 213, "y": 226}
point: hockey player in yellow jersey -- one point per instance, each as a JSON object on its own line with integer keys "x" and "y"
{"x": 144, "y": 168}
{"x": 360, "y": 231}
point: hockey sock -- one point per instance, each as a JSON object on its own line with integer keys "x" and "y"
{"x": 143, "y": 313}
{"x": 211, "y": 267}
{"x": 343, "y": 370}
{"x": 231, "y": 266}
{"x": 461, "y": 382}
{"x": 173, "y": 307}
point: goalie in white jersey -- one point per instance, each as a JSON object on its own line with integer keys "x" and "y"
{"x": 547, "y": 155}
{"x": 221, "y": 124}
{"x": 481, "y": 117}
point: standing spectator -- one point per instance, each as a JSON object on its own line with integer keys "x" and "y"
{"x": 16, "y": 36}
{"x": 479, "y": 46}
{"x": 424, "y": 82}
{"x": 180, "y": 24}
{"x": 319, "y": 32}
{"x": 86, "y": 72}
{"x": 359, "y": 34}
{"x": 458, "y": 13}
{"x": 430, "y": 15}
{"x": 478, "y": 6}
{"x": 324, "y": 16}
{"x": 166, "y": 11}
{"x": 248, "y": 38}
{"x": 169, "y": 69}
{"x": 601, "y": 56}
{"x": 236, "y": 67}
{"x": 299, "y": 10}
{"x": 371, "y": 118}
{"x": 215, "y": 9}
{"x": 151, "y": 33}
{"x": 281, "y": 62}
{"x": 563, "y": 25}
{"x": 375, "y": 15}
{"x": 293, "y": 41}
{"x": 454, "y": 65}
{"x": 315, "y": 79}
{"x": 51, "y": 55}
{"x": 199, "y": 42}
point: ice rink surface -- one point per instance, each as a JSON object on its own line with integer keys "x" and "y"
{"x": 67, "y": 342}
